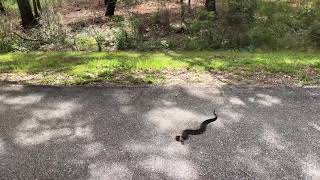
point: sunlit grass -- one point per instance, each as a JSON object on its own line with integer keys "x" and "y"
{"x": 83, "y": 67}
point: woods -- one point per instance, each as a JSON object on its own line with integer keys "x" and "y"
{"x": 152, "y": 25}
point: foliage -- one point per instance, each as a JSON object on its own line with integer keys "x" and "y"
{"x": 48, "y": 35}
{"x": 240, "y": 24}
{"x": 227, "y": 30}
{"x": 6, "y": 40}
{"x": 280, "y": 25}
{"x": 84, "y": 67}
{"x": 120, "y": 38}
{"x": 92, "y": 39}
{"x": 85, "y": 42}
{"x": 127, "y": 34}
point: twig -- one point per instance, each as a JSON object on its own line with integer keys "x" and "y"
{"x": 245, "y": 172}
{"x": 27, "y": 39}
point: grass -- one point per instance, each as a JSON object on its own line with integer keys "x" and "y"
{"x": 148, "y": 67}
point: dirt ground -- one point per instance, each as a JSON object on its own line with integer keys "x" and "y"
{"x": 93, "y": 11}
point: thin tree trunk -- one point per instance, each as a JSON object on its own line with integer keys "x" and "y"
{"x": 39, "y": 5}
{"x": 110, "y": 7}
{"x": 2, "y": 11}
{"x": 211, "y": 5}
{"x": 27, "y": 18}
{"x": 35, "y": 9}
{"x": 183, "y": 9}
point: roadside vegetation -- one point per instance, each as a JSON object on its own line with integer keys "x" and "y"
{"x": 67, "y": 68}
{"x": 79, "y": 42}
{"x": 85, "y": 25}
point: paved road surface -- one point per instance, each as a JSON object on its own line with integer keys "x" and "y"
{"x": 128, "y": 133}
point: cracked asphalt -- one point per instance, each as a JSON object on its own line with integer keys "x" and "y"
{"x": 128, "y": 132}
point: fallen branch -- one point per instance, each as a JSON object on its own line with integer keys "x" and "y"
{"x": 27, "y": 39}
{"x": 245, "y": 172}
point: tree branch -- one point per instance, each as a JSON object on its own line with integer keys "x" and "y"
{"x": 27, "y": 39}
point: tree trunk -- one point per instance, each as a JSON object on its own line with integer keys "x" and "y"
{"x": 2, "y": 11}
{"x": 35, "y": 9}
{"x": 211, "y": 5}
{"x": 110, "y": 7}
{"x": 182, "y": 9}
{"x": 39, "y": 5}
{"x": 27, "y": 18}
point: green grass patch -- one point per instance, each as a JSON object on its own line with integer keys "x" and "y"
{"x": 84, "y": 67}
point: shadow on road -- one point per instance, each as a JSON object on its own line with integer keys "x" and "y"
{"x": 123, "y": 133}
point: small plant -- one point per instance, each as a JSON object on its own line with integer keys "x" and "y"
{"x": 120, "y": 38}
{"x": 6, "y": 38}
{"x": 100, "y": 35}
{"x": 84, "y": 41}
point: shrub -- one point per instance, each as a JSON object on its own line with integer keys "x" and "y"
{"x": 282, "y": 25}
{"x": 204, "y": 29}
{"x": 314, "y": 33}
{"x": 153, "y": 44}
{"x": 127, "y": 34}
{"x": 120, "y": 38}
{"x": 84, "y": 42}
{"x": 6, "y": 39}
{"x": 229, "y": 29}
{"x": 48, "y": 35}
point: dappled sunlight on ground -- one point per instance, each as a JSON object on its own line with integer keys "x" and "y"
{"x": 274, "y": 139}
{"x": 59, "y": 110}
{"x": 44, "y": 124}
{"x": 231, "y": 115}
{"x": 169, "y": 119}
{"x": 212, "y": 93}
{"x": 311, "y": 167}
{"x": 207, "y": 68}
{"x": 21, "y": 100}
{"x": 3, "y": 108}
{"x": 171, "y": 167}
{"x": 170, "y": 159}
{"x": 128, "y": 133}
{"x": 172, "y": 149}
{"x": 236, "y": 101}
{"x": 314, "y": 125}
{"x": 112, "y": 170}
{"x": 11, "y": 88}
{"x": 31, "y": 138}
{"x": 92, "y": 149}
{"x": 126, "y": 109}
{"x": 265, "y": 100}
{"x": 85, "y": 132}
{"x": 2, "y": 148}
{"x": 247, "y": 157}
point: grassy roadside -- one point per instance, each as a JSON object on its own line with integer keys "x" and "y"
{"x": 66, "y": 68}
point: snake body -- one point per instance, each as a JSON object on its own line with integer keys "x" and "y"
{"x": 201, "y": 130}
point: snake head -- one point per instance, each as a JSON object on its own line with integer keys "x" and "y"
{"x": 180, "y": 139}
{"x": 214, "y": 112}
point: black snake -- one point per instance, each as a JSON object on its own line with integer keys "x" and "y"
{"x": 201, "y": 130}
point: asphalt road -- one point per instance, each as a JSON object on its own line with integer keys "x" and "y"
{"x": 128, "y": 133}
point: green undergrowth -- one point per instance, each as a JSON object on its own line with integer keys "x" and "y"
{"x": 148, "y": 67}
